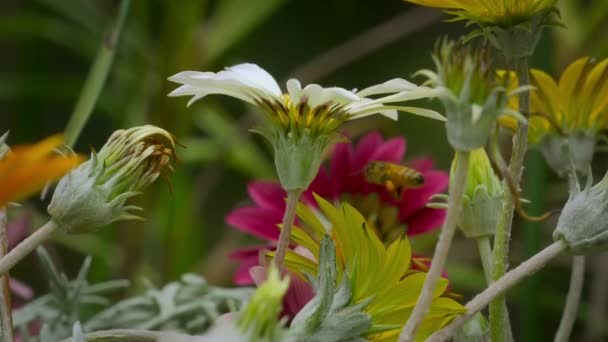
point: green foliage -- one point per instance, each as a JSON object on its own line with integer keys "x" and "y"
{"x": 65, "y": 303}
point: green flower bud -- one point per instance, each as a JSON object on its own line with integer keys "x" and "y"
{"x": 95, "y": 193}
{"x": 476, "y": 329}
{"x": 259, "y": 320}
{"x": 583, "y": 223}
{"x": 482, "y": 197}
{"x": 469, "y": 91}
{"x": 562, "y": 152}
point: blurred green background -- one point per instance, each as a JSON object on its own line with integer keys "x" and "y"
{"x": 48, "y": 47}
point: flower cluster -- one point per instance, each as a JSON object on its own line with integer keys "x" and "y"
{"x": 344, "y": 179}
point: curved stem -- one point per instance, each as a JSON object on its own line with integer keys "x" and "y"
{"x": 285, "y": 236}
{"x": 441, "y": 250}
{"x": 6, "y": 316}
{"x": 485, "y": 253}
{"x": 498, "y": 288}
{"x": 499, "y": 326}
{"x": 572, "y": 301}
{"x": 27, "y": 246}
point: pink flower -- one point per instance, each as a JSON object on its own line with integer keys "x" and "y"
{"x": 344, "y": 179}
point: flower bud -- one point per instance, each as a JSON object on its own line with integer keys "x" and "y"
{"x": 94, "y": 194}
{"x": 583, "y": 223}
{"x": 259, "y": 320}
{"x": 482, "y": 197}
{"x": 470, "y": 92}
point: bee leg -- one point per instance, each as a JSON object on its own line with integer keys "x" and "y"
{"x": 394, "y": 190}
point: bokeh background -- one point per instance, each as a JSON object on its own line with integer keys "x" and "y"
{"x": 47, "y": 48}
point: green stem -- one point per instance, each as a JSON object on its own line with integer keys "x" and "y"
{"x": 499, "y": 327}
{"x": 95, "y": 79}
{"x": 498, "y": 288}
{"x": 577, "y": 279}
{"x": 6, "y": 320}
{"x": 26, "y": 246}
{"x": 441, "y": 250}
{"x": 288, "y": 219}
{"x": 485, "y": 253}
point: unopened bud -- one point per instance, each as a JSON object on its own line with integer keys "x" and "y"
{"x": 575, "y": 149}
{"x": 95, "y": 194}
{"x": 482, "y": 197}
{"x": 583, "y": 223}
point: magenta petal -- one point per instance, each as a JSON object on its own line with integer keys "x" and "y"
{"x": 392, "y": 150}
{"x": 365, "y": 149}
{"x": 299, "y": 293}
{"x": 340, "y": 168}
{"x": 425, "y": 220}
{"x": 256, "y": 221}
{"x": 268, "y": 195}
{"x": 435, "y": 182}
{"x": 422, "y": 165}
{"x": 17, "y": 230}
{"x": 20, "y": 289}
{"x": 247, "y": 258}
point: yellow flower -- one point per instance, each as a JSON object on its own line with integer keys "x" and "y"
{"x": 577, "y": 102}
{"x": 26, "y": 169}
{"x": 492, "y": 12}
{"x": 382, "y": 273}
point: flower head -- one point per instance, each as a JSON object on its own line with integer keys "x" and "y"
{"x": 568, "y": 115}
{"x": 94, "y": 194}
{"x": 391, "y": 294}
{"x": 482, "y": 198}
{"x": 471, "y": 94}
{"x": 495, "y": 12}
{"x": 302, "y": 122}
{"x": 512, "y": 26}
{"x": 26, "y": 169}
{"x": 344, "y": 179}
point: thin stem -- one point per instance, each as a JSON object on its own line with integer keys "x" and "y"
{"x": 96, "y": 78}
{"x": 27, "y": 246}
{"x": 572, "y": 301}
{"x": 285, "y": 236}
{"x": 6, "y": 316}
{"x": 441, "y": 250}
{"x": 599, "y": 296}
{"x": 485, "y": 253}
{"x": 498, "y": 288}
{"x": 499, "y": 326}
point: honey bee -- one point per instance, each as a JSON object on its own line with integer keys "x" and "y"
{"x": 395, "y": 178}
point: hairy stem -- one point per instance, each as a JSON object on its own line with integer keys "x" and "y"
{"x": 285, "y": 236}
{"x": 27, "y": 246}
{"x": 572, "y": 301}
{"x": 6, "y": 315}
{"x": 485, "y": 253}
{"x": 441, "y": 249}
{"x": 498, "y": 288}
{"x": 499, "y": 326}
{"x": 96, "y": 78}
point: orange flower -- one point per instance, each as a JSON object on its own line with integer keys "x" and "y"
{"x": 26, "y": 169}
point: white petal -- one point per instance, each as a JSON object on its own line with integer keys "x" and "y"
{"x": 391, "y": 86}
{"x": 246, "y": 82}
{"x": 315, "y": 95}
{"x": 294, "y": 88}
